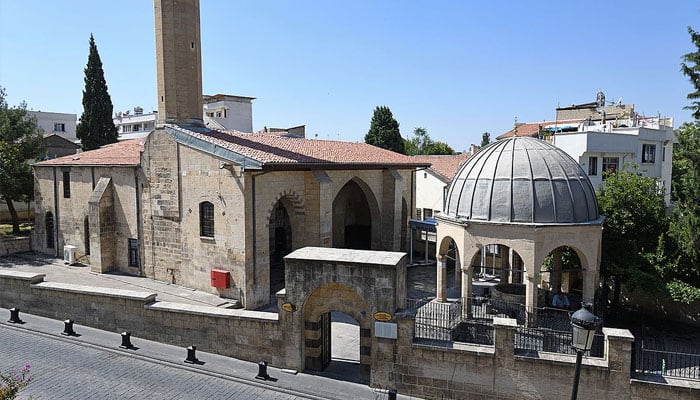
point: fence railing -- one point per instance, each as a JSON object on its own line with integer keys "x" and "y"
{"x": 470, "y": 320}
{"x": 666, "y": 363}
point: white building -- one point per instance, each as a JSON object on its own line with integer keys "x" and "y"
{"x": 609, "y": 137}
{"x": 61, "y": 124}
{"x": 221, "y": 111}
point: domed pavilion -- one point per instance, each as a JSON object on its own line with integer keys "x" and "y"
{"x": 517, "y": 201}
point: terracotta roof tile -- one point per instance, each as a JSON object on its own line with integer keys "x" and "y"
{"x": 273, "y": 149}
{"x": 532, "y": 128}
{"x": 445, "y": 166}
{"x": 125, "y": 153}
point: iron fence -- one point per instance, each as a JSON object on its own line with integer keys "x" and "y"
{"x": 435, "y": 320}
{"x": 529, "y": 341}
{"x": 654, "y": 356}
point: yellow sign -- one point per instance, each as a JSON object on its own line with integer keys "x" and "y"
{"x": 382, "y": 316}
{"x": 289, "y": 307}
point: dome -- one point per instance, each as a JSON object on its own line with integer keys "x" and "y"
{"x": 522, "y": 180}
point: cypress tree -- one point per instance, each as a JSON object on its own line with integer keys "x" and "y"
{"x": 384, "y": 131}
{"x": 96, "y": 127}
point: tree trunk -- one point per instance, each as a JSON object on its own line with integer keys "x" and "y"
{"x": 13, "y": 214}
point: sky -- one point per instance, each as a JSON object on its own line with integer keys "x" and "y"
{"x": 456, "y": 68}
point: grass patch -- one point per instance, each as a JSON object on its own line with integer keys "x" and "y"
{"x": 6, "y": 229}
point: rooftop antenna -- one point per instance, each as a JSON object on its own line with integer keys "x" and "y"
{"x": 515, "y": 126}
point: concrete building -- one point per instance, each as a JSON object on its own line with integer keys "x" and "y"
{"x": 609, "y": 137}
{"x": 61, "y": 124}
{"x": 220, "y": 111}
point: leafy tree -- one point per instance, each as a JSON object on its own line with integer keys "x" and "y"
{"x": 384, "y": 131}
{"x": 635, "y": 216}
{"x": 20, "y": 142}
{"x": 691, "y": 68}
{"x": 485, "y": 139}
{"x": 422, "y": 143}
{"x": 96, "y": 127}
{"x": 438, "y": 148}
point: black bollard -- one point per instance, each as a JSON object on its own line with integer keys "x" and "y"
{"x": 126, "y": 341}
{"x": 262, "y": 371}
{"x": 68, "y": 330}
{"x": 14, "y": 316}
{"x": 191, "y": 355}
{"x": 392, "y": 394}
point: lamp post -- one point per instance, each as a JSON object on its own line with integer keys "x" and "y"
{"x": 583, "y": 324}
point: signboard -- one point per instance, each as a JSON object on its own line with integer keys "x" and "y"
{"x": 382, "y": 316}
{"x": 386, "y": 330}
{"x": 289, "y": 307}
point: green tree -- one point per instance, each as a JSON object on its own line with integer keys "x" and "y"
{"x": 440, "y": 148}
{"x": 96, "y": 127}
{"x": 485, "y": 139}
{"x": 635, "y": 218}
{"x": 384, "y": 131}
{"x": 691, "y": 68}
{"x": 20, "y": 142}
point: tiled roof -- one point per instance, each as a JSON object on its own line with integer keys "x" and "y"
{"x": 272, "y": 149}
{"x": 445, "y": 166}
{"x": 532, "y": 128}
{"x": 125, "y": 153}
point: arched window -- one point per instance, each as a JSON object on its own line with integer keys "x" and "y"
{"x": 206, "y": 219}
{"x": 48, "y": 222}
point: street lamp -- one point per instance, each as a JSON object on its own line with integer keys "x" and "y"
{"x": 584, "y": 324}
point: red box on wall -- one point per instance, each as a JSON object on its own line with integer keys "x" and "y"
{"x": 220, "y": 279}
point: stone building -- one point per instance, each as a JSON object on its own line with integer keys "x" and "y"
{"x": 217, "y": 210}
{"x": 525, "y": 199}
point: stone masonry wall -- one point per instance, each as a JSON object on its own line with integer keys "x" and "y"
{"x": 246, "y": 335}
{"x": 12, "y": 245}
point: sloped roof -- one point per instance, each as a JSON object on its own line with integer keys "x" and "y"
{"x": 126, "y": 153}
{"x": 445, "y": 166}
{"x": 266, "y": 149}
{"x": 531, "y": 129}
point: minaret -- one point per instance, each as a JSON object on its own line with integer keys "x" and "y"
{"x": 178, "y": 61}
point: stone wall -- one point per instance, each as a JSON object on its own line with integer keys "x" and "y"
{"x": 247, "y": 335}
{"x": 12, "y": 245}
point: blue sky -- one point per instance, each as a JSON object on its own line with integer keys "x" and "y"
{"x": 455, "y": 68}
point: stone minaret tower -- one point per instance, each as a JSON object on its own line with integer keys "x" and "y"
{"x": 178, "y": 61}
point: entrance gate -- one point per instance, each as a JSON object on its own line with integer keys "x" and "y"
{"x": 359, "y": 283}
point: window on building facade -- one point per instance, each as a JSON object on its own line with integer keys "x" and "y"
{"x": 611, "y": 164}
{"x": 66, "y": 184}
{"x": 427, "y": 213}
{"x": 59, "y": 127}
{"x": 206, "y": 219}
{"x": 419, "y": 213}
{"x": 133, "y": 253}
{"x": 592, "y": 165}
{"x": 48, "y": 222}
{"x": 218, "y": 114}
{"x": 648, "y": 153}
{"x": 663, "y": 154}
{"x": 137, "y": 127}
{"x": 210, "y": 114}
{"x": 126, "y": 128}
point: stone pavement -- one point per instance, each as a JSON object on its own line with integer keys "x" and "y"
{"x": 336, "y": 382}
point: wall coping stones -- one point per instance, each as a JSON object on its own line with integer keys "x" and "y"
{"x": 99, "y": 291}
{"x": 21, "y": 275}
{"x": 620, "y": 334}
{"x": 505, "y": 322}
{"x": 558, "y": 358}
{"x": 328, "y": 254}
{"x": 666, "y": 381}
{"x": 457, "y": 347}
{"x": 211, "y": 311}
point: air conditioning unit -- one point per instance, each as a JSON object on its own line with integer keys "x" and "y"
{"x": 69, "y": 254}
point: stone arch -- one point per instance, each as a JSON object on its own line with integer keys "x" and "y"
{"x": 448, "y": 253}
{"x": 356, "y": 217}
{"x": 560, "y": 276}
{"x": 285, "y": 234}
{"x": 316, "y": 309}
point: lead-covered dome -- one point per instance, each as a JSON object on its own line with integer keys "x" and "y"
{"x": 522, "y": 180}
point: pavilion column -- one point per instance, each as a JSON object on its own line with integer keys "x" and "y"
{"x": 511, "y": 263}
{"x": 531, "y": 295}
{"x": 441, "y": 278}
{"x": 555, "y": 274}
{"x": 590, "y": 276}
{"x": 458, "y": 271}
{"x": 466, "y": 278}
